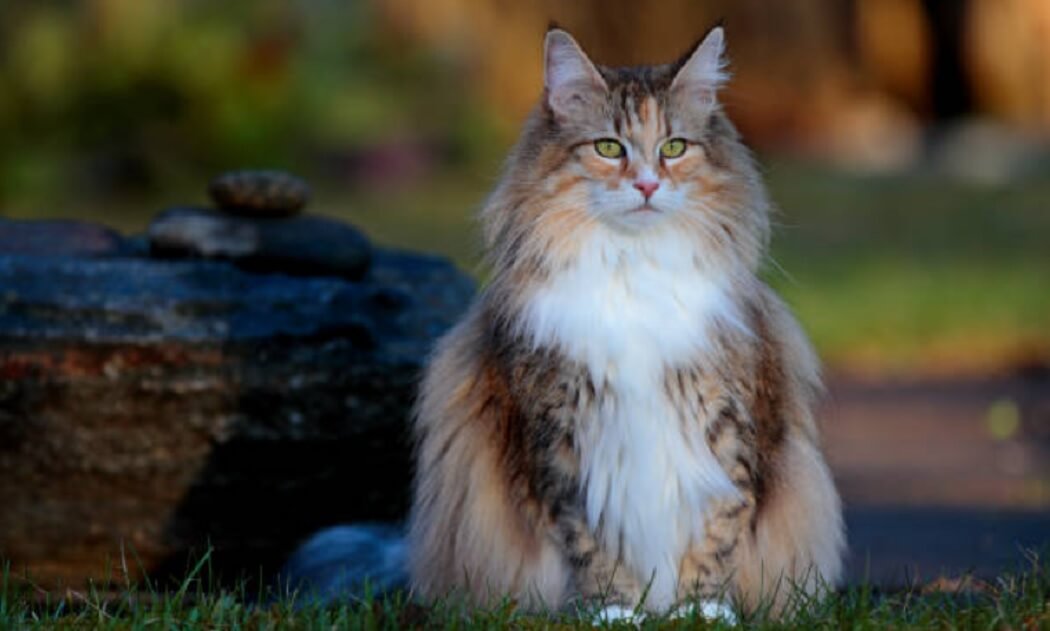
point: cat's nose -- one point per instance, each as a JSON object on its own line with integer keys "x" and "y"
{"x": 647, "y": 187}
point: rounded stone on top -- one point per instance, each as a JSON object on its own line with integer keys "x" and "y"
{"x": 259, "y": 193}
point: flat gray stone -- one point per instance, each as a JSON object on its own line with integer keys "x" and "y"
{"x": 59, "y": 237}
{"x": 300, "y": 245}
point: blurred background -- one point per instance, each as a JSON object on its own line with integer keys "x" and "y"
{"x": 905, "y": 140}
{"x": 906, "y": 143}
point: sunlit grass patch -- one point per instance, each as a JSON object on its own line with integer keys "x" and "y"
{"x": 914, "y": 272}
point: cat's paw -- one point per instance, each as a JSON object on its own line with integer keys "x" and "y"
{"x": 617, "y": 613}
{"x": 709, "y": 609}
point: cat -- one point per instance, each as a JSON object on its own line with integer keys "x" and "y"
{"x": 625, "y": 414}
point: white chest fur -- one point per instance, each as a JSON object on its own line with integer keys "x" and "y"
{"x": 629, "y": 309}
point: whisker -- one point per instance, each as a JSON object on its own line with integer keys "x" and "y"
{"x": 783, "y": 272}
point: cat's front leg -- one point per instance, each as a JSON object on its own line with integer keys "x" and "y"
{"x": 557, "y": 399}
{"x": 602, "y": 584}
{"x": 706, "y": 571}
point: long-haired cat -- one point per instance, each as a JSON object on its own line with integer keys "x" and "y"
{"x": 625, "y": 414}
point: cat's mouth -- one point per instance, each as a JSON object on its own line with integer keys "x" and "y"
{"x": 645, "y": 208}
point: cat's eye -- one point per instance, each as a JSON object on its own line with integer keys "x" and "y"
{"x": 608, "y": 148}
{"x": 673, "y": 148}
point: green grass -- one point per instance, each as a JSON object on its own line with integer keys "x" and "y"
{"x": 915, "y": 271}
{"x": 1014, "y": 601}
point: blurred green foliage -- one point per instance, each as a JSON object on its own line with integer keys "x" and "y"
{"x": 110, "y": 97}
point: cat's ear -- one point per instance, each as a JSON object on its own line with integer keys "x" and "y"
{"x": 702, "y": 71}
{"x": 570, "y": 79}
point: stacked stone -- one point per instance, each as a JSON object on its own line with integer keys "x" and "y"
{"x": 158, "y": 396}
{"x": 259, "y": 226}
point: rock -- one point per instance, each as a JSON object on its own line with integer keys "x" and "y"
{"x": 137, "y": 245}
{"x": 304, "y": 245}
{"x": 259, "y": 193}
{"x": 59, "y": 237}
{"x": 152, "y": 407}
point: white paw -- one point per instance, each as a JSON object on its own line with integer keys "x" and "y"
{"x": 617, "y": 613}
{"x": 709, "y": 609}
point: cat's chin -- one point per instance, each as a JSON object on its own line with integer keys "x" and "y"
{"x": 639, "y": 218}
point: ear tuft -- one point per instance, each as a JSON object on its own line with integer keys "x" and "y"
{"x": 569, "y": 76}
{"x": 703, "y": 72}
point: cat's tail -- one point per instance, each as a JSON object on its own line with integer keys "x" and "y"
{"x": 347, "y": 562}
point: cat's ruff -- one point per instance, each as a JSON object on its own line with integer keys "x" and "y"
{"x": 629, "y": 308}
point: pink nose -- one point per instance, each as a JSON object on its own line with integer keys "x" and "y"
{"x": 647, "y": 187}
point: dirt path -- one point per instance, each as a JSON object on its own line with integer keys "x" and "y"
{"x": 941, "y": 476}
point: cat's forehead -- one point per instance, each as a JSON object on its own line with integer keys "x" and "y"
{"x": 638, "y": 97}
{"x": 636, "y": 83}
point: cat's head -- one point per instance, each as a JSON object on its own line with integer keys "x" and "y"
{"x": 637, "y": 150}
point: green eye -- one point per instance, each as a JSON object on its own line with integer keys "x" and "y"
{"x": 608, "y": 148}
{"x": 673, "y": 148}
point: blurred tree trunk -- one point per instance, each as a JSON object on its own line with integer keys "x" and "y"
{"x": 1007, "y": 57}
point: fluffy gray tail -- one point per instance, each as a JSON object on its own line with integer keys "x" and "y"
{"x": 345, "y": 562}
